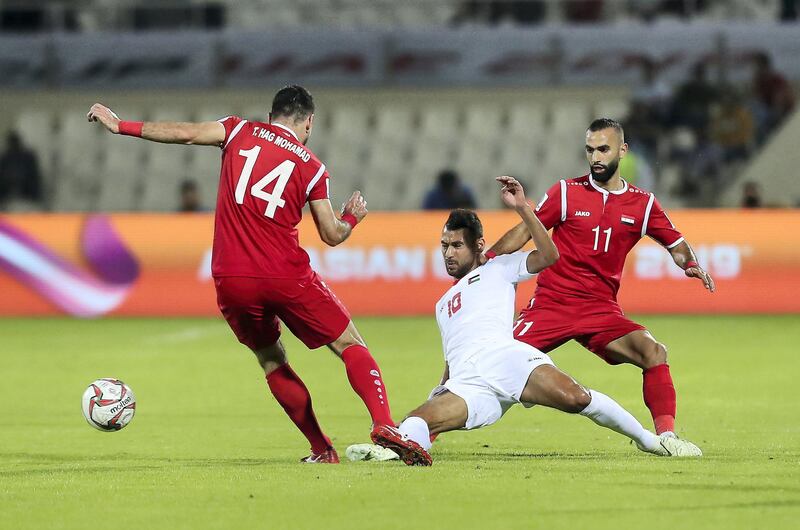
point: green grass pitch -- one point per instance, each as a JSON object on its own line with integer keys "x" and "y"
{"x": 209, "y": 448}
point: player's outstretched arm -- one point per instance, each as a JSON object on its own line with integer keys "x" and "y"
{"x": 335, "y": 230}
{"x": 684, "y": 257}
{"x": 203, "y": 133}
{"x": 546, "y": 253}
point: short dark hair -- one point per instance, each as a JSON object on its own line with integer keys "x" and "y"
{"x": 606, "y": 123}
{"x": 292, "y": 101}
{"x": 467, "y": 220}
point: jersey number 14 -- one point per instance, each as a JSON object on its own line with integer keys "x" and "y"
{"x": 282, "y": 173}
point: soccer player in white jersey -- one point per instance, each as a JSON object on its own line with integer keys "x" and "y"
{"x": 486, "y": 370}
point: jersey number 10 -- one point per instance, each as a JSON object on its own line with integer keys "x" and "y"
{"x": 282, "y": 172}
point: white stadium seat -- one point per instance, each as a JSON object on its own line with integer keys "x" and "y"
{"x": 393, "y": 123}
{"x": 81, "y": 147}
{"x": 121, "y": 181}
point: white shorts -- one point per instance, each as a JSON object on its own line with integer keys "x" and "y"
{"x": 491, "y": 382}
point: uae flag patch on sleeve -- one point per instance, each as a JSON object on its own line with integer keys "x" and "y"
{"x": 627, "y": 220}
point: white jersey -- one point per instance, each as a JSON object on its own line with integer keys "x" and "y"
{"x": 477, "y": 313}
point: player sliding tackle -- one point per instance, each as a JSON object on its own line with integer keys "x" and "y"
{"x": 486, "y": 370}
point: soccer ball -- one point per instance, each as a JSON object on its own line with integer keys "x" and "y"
{"x": 108, "y": 404}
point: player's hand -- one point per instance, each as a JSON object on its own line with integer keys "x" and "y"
{"x": 699, "y": 272}
{"x": 511, "y": 192}
{"x": 104, "y": 115}
{"x": 356, "y": 206}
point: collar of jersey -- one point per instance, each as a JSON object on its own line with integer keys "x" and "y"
{"x": 602, "y": 190}
{"x": 284, "y": 127}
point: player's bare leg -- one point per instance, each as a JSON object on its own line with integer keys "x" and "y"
{"x": 550, "y": 387}
{"x": 364, "y": 374}
{"x": 641, "y": 349}
{"x": 291, "y": 393}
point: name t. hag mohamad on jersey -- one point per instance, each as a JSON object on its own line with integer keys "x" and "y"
{"x": 478, "y": 311}
{"x": 594, "y": 230}
{"x": 267, "y": 177}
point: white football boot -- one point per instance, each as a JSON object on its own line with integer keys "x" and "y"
{"x": 671, "y": 445}
{"x": 359, "y": 452}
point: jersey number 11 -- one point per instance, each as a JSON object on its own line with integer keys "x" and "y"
{"x": 607, "y": 232}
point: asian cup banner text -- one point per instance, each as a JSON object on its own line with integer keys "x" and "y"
{"x": 159, "y": 265}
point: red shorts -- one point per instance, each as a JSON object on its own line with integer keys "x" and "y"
{"x": 593, "y": 324}
{"x": 252, "y": 307}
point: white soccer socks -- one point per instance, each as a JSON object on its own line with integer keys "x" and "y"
{"x": 606, "y": 412}
{"x": 416, "y": 429}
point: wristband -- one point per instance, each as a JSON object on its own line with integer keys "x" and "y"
{"x": 490, "y": 254}
{"x": 131, "y": 128}
{"x": 690, "y": 264}
{"x": 350, "y": 219}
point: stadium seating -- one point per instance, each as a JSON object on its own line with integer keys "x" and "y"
{"x": 391, "y": 151}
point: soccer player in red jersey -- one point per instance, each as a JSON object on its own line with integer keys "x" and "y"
{"x": 261, "y": 273}
{"x": 596, "y": 220}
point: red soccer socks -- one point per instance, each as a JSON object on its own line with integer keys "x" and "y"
{"x": 365, "y": 378}
{"x": 292, "y": 394}
{"x": 659, "y": 396}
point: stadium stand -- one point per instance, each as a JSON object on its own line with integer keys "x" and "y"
{"x": 383, "y": 133}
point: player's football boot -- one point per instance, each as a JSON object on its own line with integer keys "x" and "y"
{"x": 359, "y": 452}
{"x": 678, "y": 447}
{"x": 410, "y": 451}
{"x": 328, "y": 456}
{"x": 671, "y": 445}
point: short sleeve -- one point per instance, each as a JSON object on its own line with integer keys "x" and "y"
{"x": 513, "y": 267}
{"x": 659, "y": 227}
{"x": 549, "y": 208}
{"x": 232, "y": 124}
{"x": 319, "y": 185}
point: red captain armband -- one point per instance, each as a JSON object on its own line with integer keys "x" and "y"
{"x": 690, "y": 264}
{"x": 350, "y": 219}
{"x": 490, "y": 254}
{"x": 131, "y": 128}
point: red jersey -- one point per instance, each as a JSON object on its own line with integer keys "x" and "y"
{"x": 267, "y": 177}
{"x": 594, "y": 230}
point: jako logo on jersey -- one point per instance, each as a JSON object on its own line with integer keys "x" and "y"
{"x": 581, "y": 213}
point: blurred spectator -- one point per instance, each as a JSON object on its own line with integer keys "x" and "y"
{"x": 643, "y": 130}
{"x": 636, "y": 170}
{"x": 449, "y": 193}
{"x": 653, "y": 94}
{"x": 733, "y": 127}
{"x": 691, "y": 105}
{"x": 702, "y": 169}
{"x": 751, "y": 195}
{"x": 773, "y": 96}
{"x": 19, "y": 172}
{"x": 190, "y": 197}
